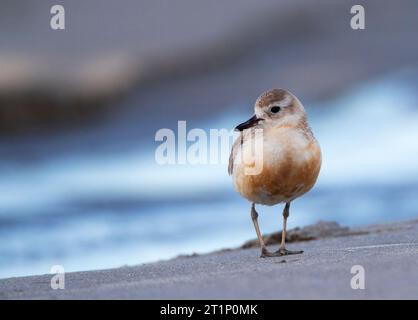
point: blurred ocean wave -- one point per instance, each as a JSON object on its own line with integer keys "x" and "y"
{"x": 89, "y": 211}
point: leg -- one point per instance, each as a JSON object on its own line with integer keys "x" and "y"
{"x": 264, "y": 251}
{"x": 282, "y": 250}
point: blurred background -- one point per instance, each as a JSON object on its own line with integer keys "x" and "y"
{"x": 79, "y": 109}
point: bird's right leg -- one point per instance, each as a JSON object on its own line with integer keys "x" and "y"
{"x": 264, "y": 252}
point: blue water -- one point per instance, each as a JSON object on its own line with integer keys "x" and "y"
{"x": 87, "y": 211}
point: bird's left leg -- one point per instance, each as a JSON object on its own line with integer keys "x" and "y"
{"x": 282, "y": 250}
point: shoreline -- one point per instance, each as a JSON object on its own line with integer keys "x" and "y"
{"x": 387, "y": 252}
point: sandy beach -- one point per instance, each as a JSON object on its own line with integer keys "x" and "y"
{"x": 387, "y": 252}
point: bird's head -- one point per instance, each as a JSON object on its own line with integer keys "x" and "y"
{"x": 275, "y": 107}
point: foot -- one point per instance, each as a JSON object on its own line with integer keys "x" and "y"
{"x": 266, "y": 254}
{"x": 279, "y": 253}
{"x": 285, "y": 252}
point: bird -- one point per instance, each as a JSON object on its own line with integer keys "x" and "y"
{"x": 288, "y": 161}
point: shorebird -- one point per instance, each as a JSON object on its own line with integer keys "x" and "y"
{"x": 290, "y": 158}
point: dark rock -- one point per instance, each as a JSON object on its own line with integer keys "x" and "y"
{"x": 321, "y": 229}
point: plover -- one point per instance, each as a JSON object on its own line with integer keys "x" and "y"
{"x": 290, "y": 158}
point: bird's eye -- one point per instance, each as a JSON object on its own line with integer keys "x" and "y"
{"x": 275, "y": 109}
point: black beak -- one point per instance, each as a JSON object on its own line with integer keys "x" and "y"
{"x": 248, "y": 124}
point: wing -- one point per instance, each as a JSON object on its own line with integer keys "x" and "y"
{"x": 234, "y": 151}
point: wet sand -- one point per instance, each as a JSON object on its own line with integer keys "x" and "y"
{"x": 387, "y": 252}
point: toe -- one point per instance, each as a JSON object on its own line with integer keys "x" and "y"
{"x": 285, "y": 252}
